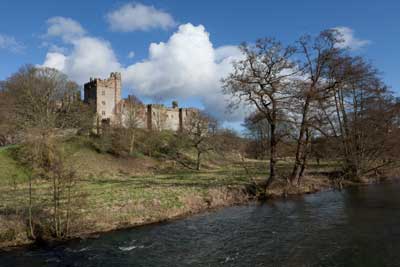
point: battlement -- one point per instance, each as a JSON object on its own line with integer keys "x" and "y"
{"x": 114, "y": 76}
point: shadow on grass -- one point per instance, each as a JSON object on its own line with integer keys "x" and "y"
{"x": 188, "y": 179}
{"x": 223, "y": 177}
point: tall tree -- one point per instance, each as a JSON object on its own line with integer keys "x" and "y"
{"x": 363, "y": 115}
{"x": 316, "y": 55}
{"x": 199, "y": 129}
{"x": 131, "y": 117}
{"x": 262, "y": 79}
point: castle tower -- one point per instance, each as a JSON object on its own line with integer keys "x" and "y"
{"x": 116, "y": 77}
{"x": 105, "y": 95}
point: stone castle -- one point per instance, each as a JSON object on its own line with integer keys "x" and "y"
{"x": 105, "y": 95}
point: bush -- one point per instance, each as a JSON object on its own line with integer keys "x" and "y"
{"x": 8, "y": 235}
{"x": 156, "y": 144}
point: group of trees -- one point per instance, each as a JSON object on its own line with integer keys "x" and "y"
{"x": 312, "y": 89}
{"x": 186, "y": 146}
{"x": 39, "y": 105}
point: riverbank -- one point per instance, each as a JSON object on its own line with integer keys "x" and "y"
{"x": 357, "y": 226}
{"x": 148, "y": 209}
{"x": 100, "y": 221}
{"x": 116, "y": 193}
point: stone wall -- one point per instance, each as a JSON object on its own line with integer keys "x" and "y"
{"x": 105, "y": 95}
{"x": 162, "y": 118}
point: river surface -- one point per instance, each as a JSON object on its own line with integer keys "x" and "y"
{"x": 354, "y": 227}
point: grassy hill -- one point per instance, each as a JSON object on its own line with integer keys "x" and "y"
{"x": 114, "y": 192}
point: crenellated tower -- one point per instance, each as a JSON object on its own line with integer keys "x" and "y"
{"x": 105, "y": 95}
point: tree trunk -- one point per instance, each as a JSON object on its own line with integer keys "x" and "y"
{"x": 68, "y": 205}
{"x": 55, "y": 210}
{"x": 198, "y": 160}
{"x": 31, "y": 230}
{"x": 300, "y": 142}
{"x": 131, "y": 143}
{"x": 272, "y": 156}
{"x": 304, "y": 158}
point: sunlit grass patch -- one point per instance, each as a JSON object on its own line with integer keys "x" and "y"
{"x": 11, "y": 172}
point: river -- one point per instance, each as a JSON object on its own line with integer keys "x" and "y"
{"x": 355, "y": 227}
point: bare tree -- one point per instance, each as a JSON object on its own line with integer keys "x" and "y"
{"x": 258, "y": 131}
{"x": 131, "y": 117}
{"x": 262, "y": 79}
{"x": 316, "y": 90}
{"x": 199, "y": 129}
{"x": 363, "y": 115}
{"x": 45, "y": 102}
{"x": 7, "y": 125}
{"x": 317, "y": 53}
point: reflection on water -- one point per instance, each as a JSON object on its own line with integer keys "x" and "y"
{"x": 355, "y": 227}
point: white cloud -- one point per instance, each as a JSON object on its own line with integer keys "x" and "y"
{"x": 227, "y": 52}
{"x": 51, "y": 47}
{"x": 134, "y": 17}
{"x": 9, "y": 43}
{"x": 66, "y": 28}
{"x": 177, "y": 67}
{"x": 186, "y": 65}
{"x": 89, "y": 56}
{"x": 131, "y": 54}
{"x": 349, "y": 40}
{"x": 55, "y": 60}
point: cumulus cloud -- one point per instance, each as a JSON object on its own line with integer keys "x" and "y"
{"x": 88, "y": 56}
{"x": 349, "y": 40}
{"x": 55, "y": 60}
{"x": 10, "y": 43}
{"x": 177, "y": 67}
{"x": 185, "y": 66}
{"x": 66, "y": 28}
{"x": 139, "y": 17}
{"x": 54, "y": 48}
{"x": 91, "y": 57}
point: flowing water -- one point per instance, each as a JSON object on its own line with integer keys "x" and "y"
{"x": 355, "y": 227}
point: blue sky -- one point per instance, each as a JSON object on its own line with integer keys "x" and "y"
{"x": 26, "y": 37}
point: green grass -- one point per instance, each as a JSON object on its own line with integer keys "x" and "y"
{"x": 105, "y": 184}
{"x": 10, "y": 171}
{"x": 117, "y": 192}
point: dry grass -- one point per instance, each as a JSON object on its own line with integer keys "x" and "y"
{"x": 122, "y": 192}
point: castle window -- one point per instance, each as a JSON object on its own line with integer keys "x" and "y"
{"x": 103, "y": 92}
{"x": 103, "y": 102}
{"x": 103, "y": 113}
